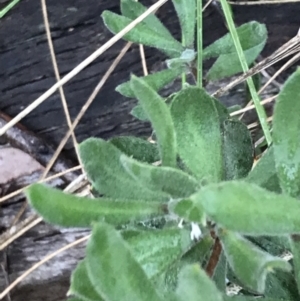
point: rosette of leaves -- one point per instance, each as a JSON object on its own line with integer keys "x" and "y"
{"x": 198, "y": 174}
{"x": 202, "y": 175}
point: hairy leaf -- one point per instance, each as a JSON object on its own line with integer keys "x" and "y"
{"x": 142, "y": 34}
{"x": 249, "y": 263}
{"x": 156, "y": 250}
{"x": 249, "y": 209}
{"x": 113, "y": 270}
{"x": 186, "y": 12}
{"x": 198, "y": 133}
{"x": 195, "y": 285}
{"x": 101, "y": 161}
{"x": 237, "y": 150}
{"x": 69, "y": 210}
{"x": 286, "y": 133}
{"x": 174, "y": 182}
{"x": 137, "y": 148}
{"x": 156, "y": 81}
{"x": 159, "y": 115}
{"x": 81, "y": 285}
{"x": 252, "y": 35}
{"x": 264, "y": 173}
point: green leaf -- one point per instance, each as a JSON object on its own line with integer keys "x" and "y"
{"x": 249, "y": 263}
{"x": 133, "y": 9}
{"x": 281, "y": 286}
{"x": 75, "y": 299}
{"x": 142, "y": 34}
{"x": 159, "y": 114}
{"x": 295, "y": 247}
{"x": 139, "y": 113}
{"x": 137, "y": 148}
{"x": 171, "y": 181}
{"x": 286, "y": 132}
{"x": 238, "y": 150}
{"x": 183, "y": 62}
{"x": 188, "y": 209}
{"x": 198, "y": 134}
{"x": 186, "y": 12}
{"x": 220, "y": 272}
{"x": 251, "y": 298}
{"x": 156, "y": 81}
{"x": 223, "y": 112}
{"x": 81, "y": 285}
{"x": 249, "y": 209}
{"x": 101, "y": 161}
{"x": 156, "y": 250}
{"x": 113, "y": 270}
{"x": 168, "y": 281}
{"x": 195, "y": 285}
{"x": 69, "y": 210}
{"x": 253, "y": 36}
{"x": 264, "y": 173}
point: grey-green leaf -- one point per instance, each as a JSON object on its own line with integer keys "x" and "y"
{"x": 249, "y": 209}
{"x": 133, "y": 9}
{"x": 197, "y": 127}
{"x": 142, "y": 34}
{"x": 171, "y": 181}
{"x": 113, "y": 270}
{"x": 81, "y": 285}
{"x": 253, "y": 36}
{"x": 137, "y": 148}
{"x": 186, "y": 12}
{"x": 286, "y": 133}
{"x": 139, "y": 113}
{"x": 69, "y": 210}
{"x": 249, "y": 263}
{"x": 264, "y": 173}
{"x": 101, "y": 161}
{"x": 159, "y": 115}
{"x": 156, "y": 81}
{"x": 195, "y": 285}
{"x": 238, "y": 150}
{"x": 156, "y": 250}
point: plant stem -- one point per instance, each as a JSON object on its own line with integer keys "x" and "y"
{"x": 199, "y": 43}
{"x": 256, "y": 100}
{"x": 183, "y": 76}
{"x": 8, "y": 7}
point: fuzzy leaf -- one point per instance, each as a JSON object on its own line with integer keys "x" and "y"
{"x": 139, "y": 113}
{"x": 186, "y": 12}
{"x": 249, "y": 209}
{"x": 168, "y": 281}
{"x": 113, "y": 270}
{"x": 81, "y": 285}
{"x": 198, "y": 134}
{"x": 295, "y": 247}
{"x": 69, "y": 210}
{"x": 171, "y": 181}
{"x": 101, "y": 161}
{"x": 195, "y": 285}
{"x": 159, "y": 115}
{"x": 188, "y": 209}
{"x": 249, "y": 263}
{"x": 253, "y": 36}
{"x": 156, "y": 81}
{"x": 237, "y": 150}
{"x": 156, "y": 250}
{"x": 133, "y": 9}
{"x": 286, "y": 133}
{"x": 264, "y": 173}
{"x": 142, "y": 34}
{"x": 137, "y": 148}
{"x": 220, "y": 272}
